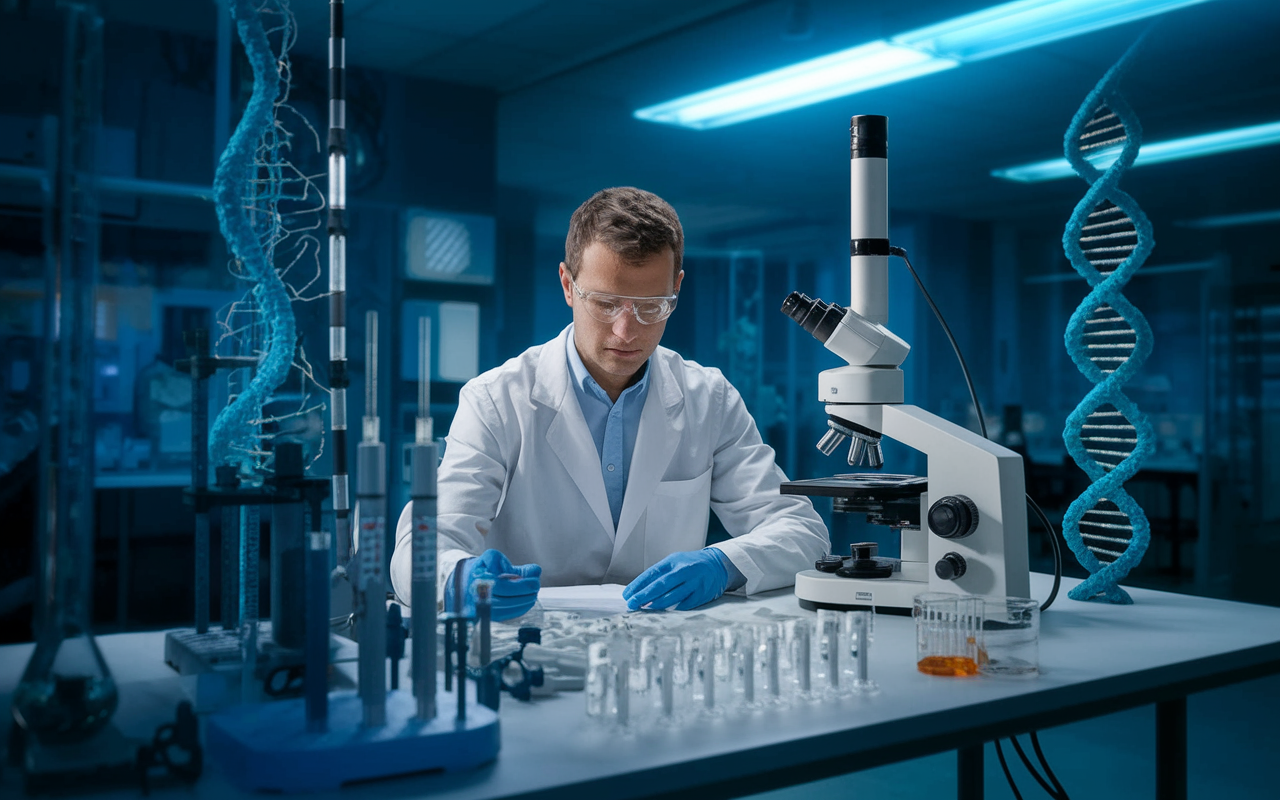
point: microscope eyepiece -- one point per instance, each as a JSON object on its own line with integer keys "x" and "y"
{"x": 869, "y": 136}
{"x": 815, "y": 316}
{"x": 797, "y": 306}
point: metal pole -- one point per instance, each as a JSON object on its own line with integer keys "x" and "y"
{"x": 337, "y": 229}
{"x": 197, "y": 343}
{"x": 371, "y": 582}
{"x": 422, "y": 492}
{"x": 316, "y": 675}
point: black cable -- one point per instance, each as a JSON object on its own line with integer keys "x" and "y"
{"x": 1007, "y": 775}
{"x": 973, "y": 394}
{"x": 1026, "y": 762}
{"x": 1035, "y": 742}
{"x": 1057, "y": 552}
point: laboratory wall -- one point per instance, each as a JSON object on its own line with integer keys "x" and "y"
{"x": 431, "y": 155}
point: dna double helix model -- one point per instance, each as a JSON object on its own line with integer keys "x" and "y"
{"x": 1107, "y": 239}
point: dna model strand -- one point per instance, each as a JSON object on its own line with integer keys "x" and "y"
{"x": 246, "y": 198}
{"x": 1107, "y": 239}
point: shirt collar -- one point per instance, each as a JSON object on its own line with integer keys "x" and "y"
{"x": 583, "y": 380}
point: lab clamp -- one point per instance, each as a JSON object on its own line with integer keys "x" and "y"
{"x": 963, "y": 527}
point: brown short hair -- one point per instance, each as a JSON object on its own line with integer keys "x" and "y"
{"x": 631, "y": 222}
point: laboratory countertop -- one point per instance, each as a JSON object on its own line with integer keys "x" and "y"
{"x": 1095, "y": 659}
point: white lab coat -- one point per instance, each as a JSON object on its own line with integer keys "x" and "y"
{"x": 521, "y": 474}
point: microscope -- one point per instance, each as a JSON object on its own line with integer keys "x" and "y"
{"x": 963, "y": 526}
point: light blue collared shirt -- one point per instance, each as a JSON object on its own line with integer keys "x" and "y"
{"x": 614, "y": 426}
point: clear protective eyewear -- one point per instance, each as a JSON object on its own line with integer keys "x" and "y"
{"x": 607, "y": 308}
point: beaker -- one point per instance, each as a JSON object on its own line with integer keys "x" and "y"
{"x": 1010, "y": 642}
{"x": 66, "y": 693}
{"x": 948, "y": 630}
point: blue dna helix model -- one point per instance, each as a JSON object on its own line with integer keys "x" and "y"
{"x": 246, "y": 196}
{"x": 1107, "y": 239}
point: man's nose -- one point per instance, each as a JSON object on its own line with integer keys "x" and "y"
{"x": 626, "y": 327}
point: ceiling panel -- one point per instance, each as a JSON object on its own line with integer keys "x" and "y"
{"x": 395, "y": 48}
{"x": 479, "y": 63}
{"x": 457, "y": 19}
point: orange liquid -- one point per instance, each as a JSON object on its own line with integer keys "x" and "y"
{"x": 955, "y": 666}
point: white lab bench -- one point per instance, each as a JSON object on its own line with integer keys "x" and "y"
{"x": 1095, "y": 659}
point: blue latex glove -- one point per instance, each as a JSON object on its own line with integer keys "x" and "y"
{"x": 515, "y": 589}
{"x": 682, "y": 580}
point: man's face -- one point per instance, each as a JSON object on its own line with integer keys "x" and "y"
{"x": 613, "y": 353}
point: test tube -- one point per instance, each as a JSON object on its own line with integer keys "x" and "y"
{"x": 597, "y": 680}
{"x": 704, "y": 659}
{"x": 831, "y": 646}
{"x": 745, "y": 655}
{"x": 620, "y": 675}
{"x": 802, "y": 647}
{"x": 772, "y": 666}
{"x": 862, "y": 683}
{"x": 667, "y": 655}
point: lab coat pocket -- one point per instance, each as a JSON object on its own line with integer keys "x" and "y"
{"x": 677, "y": 517}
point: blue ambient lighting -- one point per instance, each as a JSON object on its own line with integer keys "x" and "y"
{"x": 1234, "y": 220}
{"x": 1028, "y": 23}
{"x": 1151, "y": 153}
{"x": 835, "y": 75}
{"x": 995, "y": 31}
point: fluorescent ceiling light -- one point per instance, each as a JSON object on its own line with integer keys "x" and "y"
{"x": 1151, "y": 153}
{"x": 997, "y": 30}
{"x": 836, "y": 75}
{"x": 1029, "y": 23}
{"x": 1234, "y": 220}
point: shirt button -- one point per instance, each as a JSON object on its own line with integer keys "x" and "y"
{"x": 610, "y": 468}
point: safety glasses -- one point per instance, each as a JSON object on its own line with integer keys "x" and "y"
{"x": 607, "y": 308}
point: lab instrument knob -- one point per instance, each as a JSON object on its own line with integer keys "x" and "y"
{"x": 953, "y": 517}
{"x": 950, "y": 566}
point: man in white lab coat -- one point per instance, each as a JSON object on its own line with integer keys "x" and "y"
{"x": 598, "y": 456}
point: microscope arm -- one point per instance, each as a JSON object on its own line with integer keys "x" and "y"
{"x": 963, "y": 464}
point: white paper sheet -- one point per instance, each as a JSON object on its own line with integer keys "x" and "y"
{"x": 606, "y": 598}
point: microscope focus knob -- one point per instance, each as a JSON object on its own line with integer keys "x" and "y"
{"x": 953, "y": 517}
{"x": 950, "y": 566}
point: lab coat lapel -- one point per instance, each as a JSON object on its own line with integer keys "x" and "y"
{"x": 567, "y": 434}
{"x": 661, "y": 425}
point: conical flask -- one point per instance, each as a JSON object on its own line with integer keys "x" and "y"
{"x": 66, "y": 693}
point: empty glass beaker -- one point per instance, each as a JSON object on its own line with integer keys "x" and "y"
{"x": 1010, "y": 641}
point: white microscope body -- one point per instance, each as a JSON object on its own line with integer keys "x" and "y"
{"x": 972, "y": 533}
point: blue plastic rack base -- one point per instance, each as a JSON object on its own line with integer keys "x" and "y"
{"x": 267, "y": 747}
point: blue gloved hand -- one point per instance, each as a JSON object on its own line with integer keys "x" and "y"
{"x": 515, "y": 589}
{"x": 682, "y": 580}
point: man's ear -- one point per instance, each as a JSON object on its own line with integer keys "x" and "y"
{"x": 679, "y": 278}
{"x": 566, "y": 283}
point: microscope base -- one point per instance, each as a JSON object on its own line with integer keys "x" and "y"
{"x": 268, "y": 748}
{"x": 888, "y": 595}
